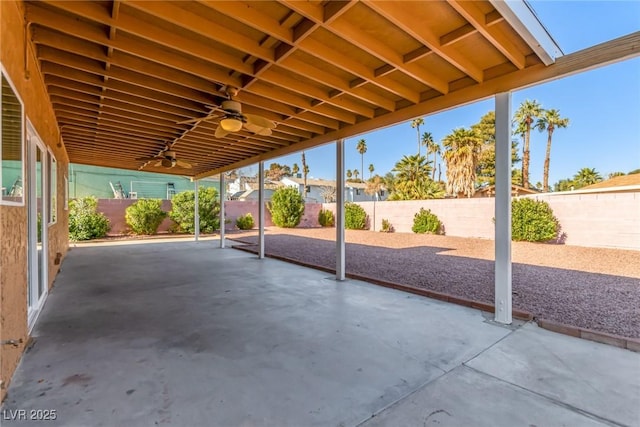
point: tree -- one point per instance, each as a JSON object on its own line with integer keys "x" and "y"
{"x": 432, "y": 148}
{"x": 374, "y": 185}
{"x": 550, "y": 120}
{"x": 524, "y": 118}
{"x": 295, "y": 169}
{"x": 614, "y": 174}
{"x": 417, "y": 190}
{"x": 355, "y": 175}
{"x": 328, "y": 194}
{"x": 415, "y": 123}
{"x": 586, "y": 176}
{"x": 412, "y": 168}
{"x": 305, "y": 171}
{"x": 389, "y": 181}
{"x": 371, "y": 169}
{"x": 276, "y": 171}
{"x": 362, "y": 148}
{"x": 349, "y": 174}
{"x": 462, "y": 148}
{"x": 486, "y": 168}
{"x": 564, "y": 185}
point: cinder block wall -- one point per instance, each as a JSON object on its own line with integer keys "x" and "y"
{"x": 609, "y": 220}
{"x": 13, "y": 219}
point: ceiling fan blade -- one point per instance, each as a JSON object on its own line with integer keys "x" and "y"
{"x": 259, "y": 121}
{"x": 221, "y": 133}
{"x": 157, "y": 164}
{"x": 199, "y": 119}
{"x": 258, "y": 130}
{"x": 183, "y": 164}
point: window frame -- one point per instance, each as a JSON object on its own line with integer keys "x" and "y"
{"x": 23, "y": 159}
{"x": 52, "y": 187}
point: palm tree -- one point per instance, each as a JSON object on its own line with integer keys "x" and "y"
{"x": 524, "y": 118}
{"x": 432, "y": 148}
{"x": 362, "y": 148}
{"x": 295, "y": 169}
{"x": 549, "y": 121}
{"x": 462, "y": 148}
{"x": 355, "y": 174}
{"x": 412, "y": 168}
{"x": 371, "y": 169}
{"x": 586, "y": 176}
{"x": 349, "y": 174}
{"x": 305, "y": 171}
{"x": 415, "y": 123}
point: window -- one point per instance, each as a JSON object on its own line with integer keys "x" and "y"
{"x": 53, "y": 188}
{"x": 12, "y": 147}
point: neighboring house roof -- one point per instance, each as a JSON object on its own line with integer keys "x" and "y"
{"x": 618, "y": 181}
{"x": 324, "y": 182}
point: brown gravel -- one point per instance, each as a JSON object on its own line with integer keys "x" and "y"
{"x": 592, "y": 288}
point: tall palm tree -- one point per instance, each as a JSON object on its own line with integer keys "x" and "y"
{"x": 371, "y": 169}
{"x": 295, "y": 169}
{"x": 432, "y": 148}
{"x": 586, "y": 176}
{"x": 355, "y": 174}
{"x": 415, "y": 123}
{"x": 349, "y": 174}
{"x": 550, "y": 120}
{"x": 412, "y": 168}
{"x": 462, "y": 148}
{"x": 362, "y": 148}
{"x": 524, "y": 119}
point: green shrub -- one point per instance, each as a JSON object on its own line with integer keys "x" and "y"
{"x": 355, "y": 217}
{"x": 326, "y": 218}
{"x": 245, "y": 222}
{"x": 426, "y": 222}
{"x": 184, "y": 205}
{"x": 532, "y": 221}
{"x": 386, "y": 226}
{"x": 286, "y": 207}
{"x": 85, "y": 222}
{"x": 145, "y": 216}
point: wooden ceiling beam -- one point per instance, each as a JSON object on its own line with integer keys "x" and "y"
{"x": 472, "y": 13}
{"x": 404, "y": 18}
{"x": 114, "y": 123}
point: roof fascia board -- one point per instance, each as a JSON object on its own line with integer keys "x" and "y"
{"x": 520, "y": 15}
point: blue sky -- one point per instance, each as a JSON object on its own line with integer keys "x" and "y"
{"x": 603, "y": 105}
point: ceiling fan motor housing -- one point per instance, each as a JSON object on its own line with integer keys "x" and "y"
{"x": 231, "y": 106}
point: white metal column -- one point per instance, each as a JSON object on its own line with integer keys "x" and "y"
{"x": 503, "y": 209}
{"x": 223, "y": 196}
{"x": 196, "y": 211}
{"x": 340, "y": 246}
{"x": 261, "y": 210}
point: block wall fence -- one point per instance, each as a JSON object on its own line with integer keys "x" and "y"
{"x": 610, "y": 220}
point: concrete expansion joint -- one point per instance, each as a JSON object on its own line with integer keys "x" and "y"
{"x": 549, "y": 399}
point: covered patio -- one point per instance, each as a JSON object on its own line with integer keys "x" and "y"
{"x": 188, "y": 334}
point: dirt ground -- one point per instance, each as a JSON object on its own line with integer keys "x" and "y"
{"x": 593, "y": 288}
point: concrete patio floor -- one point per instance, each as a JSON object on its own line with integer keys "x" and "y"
{"x": 186, "y": 334}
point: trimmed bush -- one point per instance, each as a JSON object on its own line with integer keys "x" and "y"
{"x": 386, "y": 226}
{"x": 183, "y": 210}
{"x": 286, "y": 207}
{"x": 326, "y": 218}
{"x": 245, "y": 222}
{"x": 145, "y": 216}
{"x": 355, "y": 217}
{"x": 85, "y": 222}
{"x": 426, "y": 222}
{"x": 533, "y": 221}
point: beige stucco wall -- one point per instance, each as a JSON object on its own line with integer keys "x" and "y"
{"x": 13, "y": 220}
{"x": 596, "y": 220}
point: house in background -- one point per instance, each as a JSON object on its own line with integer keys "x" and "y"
{"x": 324, "y": 191}
{"x": 618, "y": 184}
{"x": 112, "y": 183}
{"x": 516, "y": 190}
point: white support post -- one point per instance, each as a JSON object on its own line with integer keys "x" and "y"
{"x": 261, "y": 210}
{"x": 223, "y": 196}
{"x": 196, "y": 211}
{"x": 340, "y": 245}
{"x": 503, "y": 275}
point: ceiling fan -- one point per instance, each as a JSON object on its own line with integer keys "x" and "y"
{"x": 233, "y": 120}
{"x": 166, "y": 159}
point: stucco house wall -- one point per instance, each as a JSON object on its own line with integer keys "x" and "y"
{"x": 13, "y": 219}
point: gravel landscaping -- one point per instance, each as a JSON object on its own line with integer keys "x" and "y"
{"x": 592, "y": 288}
